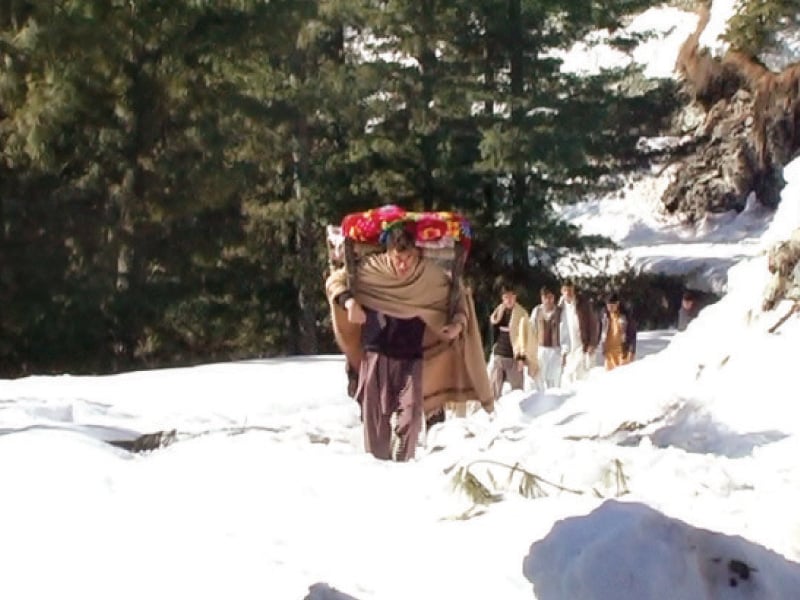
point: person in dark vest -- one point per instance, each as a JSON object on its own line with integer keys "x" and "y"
{"x": 514, "y": 346}
{"x": 545, "y": 326}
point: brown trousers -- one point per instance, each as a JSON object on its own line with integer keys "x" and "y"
{"x": 505, "y": 369}
{"x": 387, "y": 388}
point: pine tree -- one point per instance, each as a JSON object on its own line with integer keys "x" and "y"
{"x": 313, "y": 99}
{"x": 551, "y": 134}
{"x": 752, "y": 29}
{"x": 135, "y": 127}
{"x": 167, "y": 168}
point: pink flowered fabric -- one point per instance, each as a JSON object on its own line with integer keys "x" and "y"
{"x": 370, "y": 225}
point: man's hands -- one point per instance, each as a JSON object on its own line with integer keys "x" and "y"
{"x": 355, "y": 314}
{"x": 452, "y": 331}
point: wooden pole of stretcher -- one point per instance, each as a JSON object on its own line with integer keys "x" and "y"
{"x": 456, "y": 273}
{"x": 350, "y": 263}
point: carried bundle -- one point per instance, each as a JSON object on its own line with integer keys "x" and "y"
{"x": 442, "y": 236}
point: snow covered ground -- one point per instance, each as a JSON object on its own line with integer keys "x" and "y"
{"x": 675, "y": 477}
{"x": 653, "y": 241}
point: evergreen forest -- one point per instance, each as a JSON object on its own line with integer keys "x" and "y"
{"x": 168, "y": 167}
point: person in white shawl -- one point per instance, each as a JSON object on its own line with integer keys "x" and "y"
{"x": 579, "y": 335}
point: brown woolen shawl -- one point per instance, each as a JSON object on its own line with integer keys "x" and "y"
{"x": 453, "y": 370}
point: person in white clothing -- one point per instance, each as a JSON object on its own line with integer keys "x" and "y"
{"x": 579, "y": 334}
{"x": 546, "y": 325}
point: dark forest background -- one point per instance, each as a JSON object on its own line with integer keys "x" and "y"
{"x": 167, "y": 167}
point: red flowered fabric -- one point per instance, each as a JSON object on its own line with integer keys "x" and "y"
{"x": 369, "y": 226}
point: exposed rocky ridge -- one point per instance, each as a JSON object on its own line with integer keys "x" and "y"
{"x": 751, "y": 129}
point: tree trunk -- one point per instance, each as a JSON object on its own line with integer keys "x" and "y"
{"x": 428, "y": 63}
{"x": 125, "y": 232}
{"x": 305, "y": 238}
{"x": 129, "y": 200}
{"x": 519, "y": 212}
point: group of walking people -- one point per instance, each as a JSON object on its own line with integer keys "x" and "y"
{"x": 557, "y": 342}
{"x": 413, "y": 343}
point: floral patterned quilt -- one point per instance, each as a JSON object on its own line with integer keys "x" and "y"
{"x": 430, "y": 228}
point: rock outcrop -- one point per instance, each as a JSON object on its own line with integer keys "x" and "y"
{"x": 751, "y": 129}
{"x": 783, "y": 261}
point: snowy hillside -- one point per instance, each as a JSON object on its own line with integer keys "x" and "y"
{"x": 634, "y": 218}
{"x": 656, "y": 242}
{"x": 675, "y": 477}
